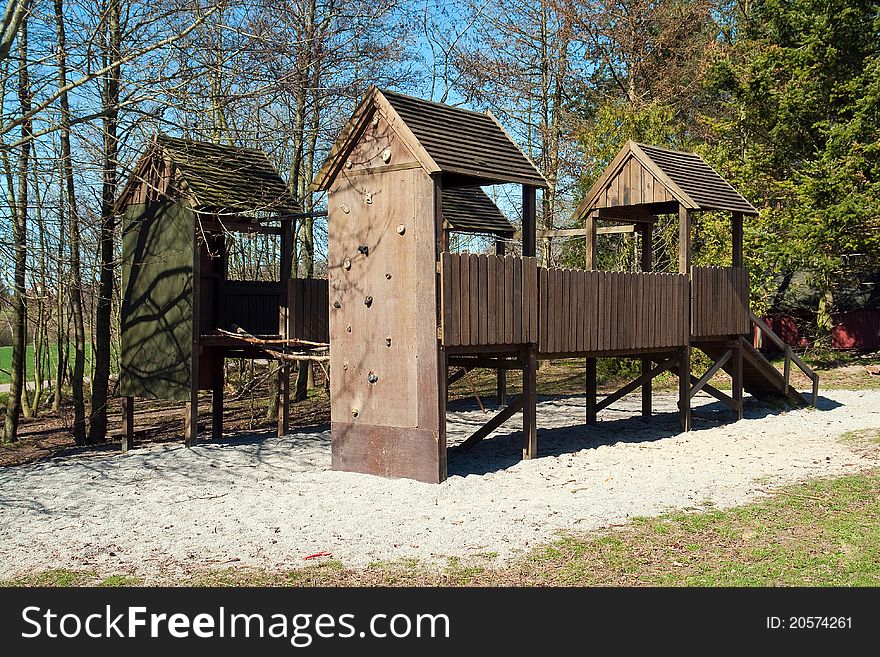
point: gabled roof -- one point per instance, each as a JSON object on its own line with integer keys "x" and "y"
{"x": 217, "y": 176}
{"x": 443, "y": 139}
{"x": 469, "y": 209}
{"x": 646, "y": 175}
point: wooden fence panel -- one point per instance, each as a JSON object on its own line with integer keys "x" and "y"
{"x": 719, "y": 304}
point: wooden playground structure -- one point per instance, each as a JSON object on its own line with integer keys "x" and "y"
{"x": 406, "y": 315}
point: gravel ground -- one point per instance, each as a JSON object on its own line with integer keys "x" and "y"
{"x": 268, "y": 502}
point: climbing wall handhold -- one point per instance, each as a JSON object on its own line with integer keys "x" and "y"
{"x": 372, "y": 378}
{"x": 336, "y": 304}
{"x": 387, "y": 342}
{"x": 368, "y": 301}
{"x": 388, "y": 276}
{"x": 346, "y": 264}
{"x": 386, "y": 155}
{"x": 368, "y": 197}
{"x": 363, "y": 248}
{"x": 401, "y": 229}
{"x": 345, "y": 208}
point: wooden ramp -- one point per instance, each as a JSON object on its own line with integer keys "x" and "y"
{"x": 760, "y": 378}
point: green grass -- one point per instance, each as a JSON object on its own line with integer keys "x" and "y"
{"x": 6, "y": 361}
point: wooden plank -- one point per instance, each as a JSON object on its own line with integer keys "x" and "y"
{"x": 637, "y": 383}
{"x": 591, "y": 390}
{"x": 496, "y": 421}
{"x": 483, "y": 297}
{"x": 529, "y": 389}
{"x": 703, "y": 380}
{"x": 596, "y": 310}
{"x": 684, "y": 383}
{"x": 544, "y": 301}
{"x": 533, "y": 304}
{"x": 508, "y": 300}
{"x": 127, "y": 423}
{"x": 500, "y": 299}
{"x": 517, "y": 300}
{"x": 581, "y": 311}
{"x": 474, "y": 301}
{"x": 569, "y": 336}
{"x": 465, "y": 296}
{"x": 491, "y": 302}
{"x": 607, "y": 283}
{"x": 559, "y": 327}
{"x": 451, "y": 282}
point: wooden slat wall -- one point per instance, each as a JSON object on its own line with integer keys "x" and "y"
{"x": 252, "y": 305}
{"x": 597, "y": 311}
{"x": 719, "y": 301}
{"x": 309, "y": 309}
{"x": 488, "y": 299}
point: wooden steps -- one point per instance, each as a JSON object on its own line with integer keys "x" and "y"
{"x": 760, "y": 378}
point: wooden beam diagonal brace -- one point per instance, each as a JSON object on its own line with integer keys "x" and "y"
{"x": 496, "y": 421}
{"x": 704, "y": 380}
{"x": 720, "y": 396}
{"x": 632, "y": 386}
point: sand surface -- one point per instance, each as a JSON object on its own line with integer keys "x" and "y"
{"x": 268, "y": 502}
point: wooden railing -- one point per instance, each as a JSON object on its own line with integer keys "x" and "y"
{"x": 790, "y": 357}
{"x": 309, "y": 302}
{"x": 252, "y": 305}
{"x": 488, "y": 300}
{"x": 719, "y": 301}
{"x": 595, "y": 311}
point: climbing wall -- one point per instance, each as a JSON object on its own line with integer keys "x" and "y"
{"x": 383, "y": 314}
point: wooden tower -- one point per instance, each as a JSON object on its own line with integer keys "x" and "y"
{"x": 396, "y": 164}
{"x": 180, "y": 308}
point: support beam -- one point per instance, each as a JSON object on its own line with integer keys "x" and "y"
{"x": 684, "y": 385}
{"x": 590, "y": 250}
{"x": 703, "y": 380}
{"x": 127, "y": 423}
{"x": 736, "y": 226}
{"x": 591, "y": 391}
{"x": 284, "y": 399}
{"x": 502, "y": 373}
{"x": 530, "y": 428}
{"x": 500, "y": 418}
{"x": 717, "y": 394}
{"x": 737, "y": 378}
{"x": 616, "y": 230}
{"x": 528, "y": 220}
{"x": 191, "y": 418}
{"x": 191, "y": 422}
{"x": 459, "y": 374}
{"x": 217, "y": 384}
{"x": 632, "y": 385}
{"x": 684, "y": 240}
{"x": 646, "y": 238}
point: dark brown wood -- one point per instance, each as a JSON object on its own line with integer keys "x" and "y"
{"x": 516, "y": 299}
{"x": 528, "y": 220}
{"x": 217, "y": 385}
{"x": 717, "y": 394}
{"x": 684, "y": 384}
{"x": 737, "y": 379}
{"x": 386, "y": 451}
{"x": 530, "y": 427}
{"x": 703, "y": 380}
{"x": 590, "y": 224}
{"x": 496, "y": 421}
{"x": 736, "y": 225}
{"x": 684, "y": 240}
{"x": 637, "y": 383}
{"x": 127, "y": 423}
{"x": 465, "y": 304}
{"x": 284, "y": 398}
{"x": 474, "y": 300}
{"x": 191, "y": 419}
{"x": 591, "y": 387}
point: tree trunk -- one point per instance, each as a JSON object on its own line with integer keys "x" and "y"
{"x": 19, "y": 236}
{"x": 76, "y": 304}
{"x": 104, "y": 308}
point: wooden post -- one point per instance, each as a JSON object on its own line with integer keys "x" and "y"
{"x": 684, "y": 388}
{"x": 530, "y": 429}
{"x": 736, "y": 225}
{"x": 191, "y": 416}
{"x": 646, "y": 233}
{"x": 217, "y": 384}
{"x": 127, "y": 423}
{"x": 738, "y": 378}
{"x": 528, "y": 221}
{"x": 590, "y": 246}
{"x": 502, "y": 374}
{"x": 284, "y": 399}
{"x": 591, "y": 390}
{"x": 684, "y": 240}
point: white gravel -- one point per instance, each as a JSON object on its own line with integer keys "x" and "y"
{"x": 267, "y": 502}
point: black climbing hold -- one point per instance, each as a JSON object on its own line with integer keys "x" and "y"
{"x": 363, "y": 248}
{"x": 336, "y": 304}
{"x": 368, "y": 301}
{"x": 372, "y": 378}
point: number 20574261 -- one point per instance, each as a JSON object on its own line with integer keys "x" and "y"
{"x": 809, "y": 623}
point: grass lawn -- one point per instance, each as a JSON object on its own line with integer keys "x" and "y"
{"x": 820, "y": 533}
{"x": 6, "y": 361}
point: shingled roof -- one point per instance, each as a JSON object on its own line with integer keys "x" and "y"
{"x": 469, "y": 209}
{"x": 217, "y": 176}
{"x": 650, "y": 175}
{"x": 444, "y": 139}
